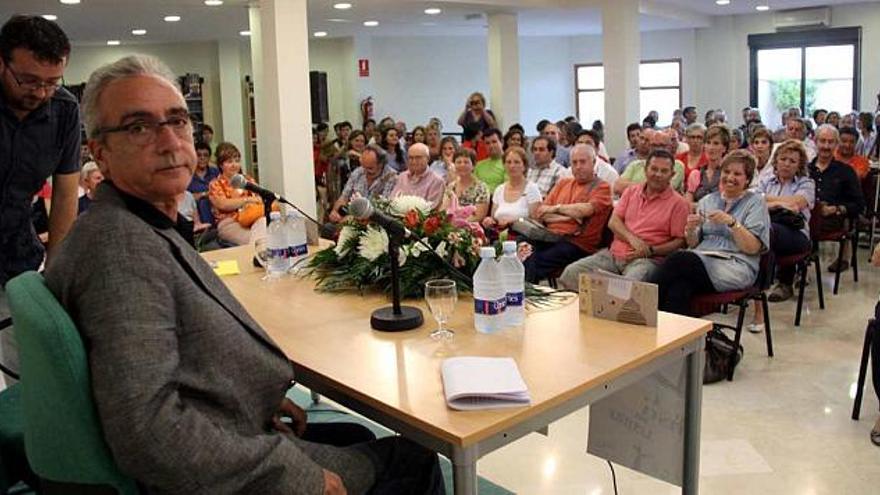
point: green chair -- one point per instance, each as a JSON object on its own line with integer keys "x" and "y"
{"x": 63, "y": 438}
{"x": 13, "y": 465}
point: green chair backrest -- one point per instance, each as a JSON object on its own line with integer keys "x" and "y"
{"x": 63, "y": 437}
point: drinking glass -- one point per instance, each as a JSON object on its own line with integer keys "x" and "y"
{"x": 441, "y": 296}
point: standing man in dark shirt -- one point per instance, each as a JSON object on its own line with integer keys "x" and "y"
{"x": 39, "y": 137}
{"x": 838, "y": 192}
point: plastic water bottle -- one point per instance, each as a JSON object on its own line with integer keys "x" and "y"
{"x": 490, "y": 298}
{"x": 277, "y": 263}
{"x": 297, "y": 245}
{"x": 513, "y": 276}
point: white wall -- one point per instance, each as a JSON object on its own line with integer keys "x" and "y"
{"x": 200, "y": 58}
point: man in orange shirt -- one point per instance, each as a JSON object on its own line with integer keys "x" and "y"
{"x": 577, "y": 207}
{"x": 846, "y": 152}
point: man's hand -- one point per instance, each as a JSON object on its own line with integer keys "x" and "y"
{"x": 333, "y": 484}
{"x": 335, "y": 217}
{"x": 288, "y": 409}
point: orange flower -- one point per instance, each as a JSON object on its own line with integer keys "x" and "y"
{"x": 431, "y": 225}
{"x": 411, "y": 220}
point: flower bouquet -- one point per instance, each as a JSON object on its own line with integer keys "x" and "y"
{"x": 359, "y": 261}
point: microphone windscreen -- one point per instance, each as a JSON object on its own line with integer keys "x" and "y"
{"x": 360, "y": 207}
{"x": 238, "y": 181}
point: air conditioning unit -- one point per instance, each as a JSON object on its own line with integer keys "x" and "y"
{"x": 794, "y": 20}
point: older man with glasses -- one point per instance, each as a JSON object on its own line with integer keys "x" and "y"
{"x": 39, "y": 138}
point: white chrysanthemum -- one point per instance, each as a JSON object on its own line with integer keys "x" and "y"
{"x": 419, "y": 247}
{"x": 403, "y": 204}
{"x": 373, "y": 243}
{"x": 345, "y": 236}
{"x": 401, "y": 257}
{"x": 441, "y": 249}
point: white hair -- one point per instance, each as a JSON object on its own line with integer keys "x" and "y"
{"x": 828, "y": 128}
{"x": 132, "y": 65}
{"x": 88, "y": 169}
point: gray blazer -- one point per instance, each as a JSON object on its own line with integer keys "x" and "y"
{"x": 185, "y": 381}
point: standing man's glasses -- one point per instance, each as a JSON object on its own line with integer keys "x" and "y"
{"x": 33, "y": 84}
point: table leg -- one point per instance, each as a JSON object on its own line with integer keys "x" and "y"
{"x": 464, "y": 470}
{"x": 693, "y": 407}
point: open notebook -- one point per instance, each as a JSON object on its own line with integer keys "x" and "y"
{"x": 483, "y": 383}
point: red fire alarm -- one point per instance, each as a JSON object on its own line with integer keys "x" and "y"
{"x": 364, "y": 67}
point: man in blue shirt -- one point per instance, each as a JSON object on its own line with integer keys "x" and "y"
{"x": 39, "y": 137}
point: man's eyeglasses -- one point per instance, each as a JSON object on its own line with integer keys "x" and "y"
{"x": 144, "y": 132}
{"x": 33, "y": 84}
{"x": 695, "y": 136}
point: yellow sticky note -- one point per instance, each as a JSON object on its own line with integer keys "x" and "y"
{"x": 226, "y": 267}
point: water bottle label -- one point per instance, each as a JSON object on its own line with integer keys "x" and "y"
{"x": 278, "y": 253}
{"x": 300, "y": 250}
{"x": 482, "y": 307}
{"x": 515, "y": 298}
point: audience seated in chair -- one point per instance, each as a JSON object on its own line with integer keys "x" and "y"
{"x": 417, "y": 180}
{"x": 238, "y": 212}
{"x": 846, "y": 152}
{"x": 648, "y": 224}
{"x": 201, "y": 180}
{"x": 576, "y": 208}
{"x": 695, "y": 157}
{"x": 516, "y": 198}
{"x": 90, "y": 176}
{"x": 545, "y": 172}
{"x": 602, "y": 169}
{"x": 635, "y": 171}
{"x": 638, "y": 150}
{"x": 760, "y": 144}
{"x": 374, "y": 178}
{"x": 466, "y": 190}
{"x": 726, "y": 236}
{"x": 838, "y": 192}
{"x": 704, "y": 181}
{"x": 491, "y": 169}
{"x": 189, "y": 389}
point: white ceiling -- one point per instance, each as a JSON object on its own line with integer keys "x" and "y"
{"x": 96, "y": 21}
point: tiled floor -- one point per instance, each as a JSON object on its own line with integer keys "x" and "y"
{"x": 781, "y": 427}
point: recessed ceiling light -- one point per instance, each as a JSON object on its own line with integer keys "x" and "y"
{"x": 138, "y": 32}
{"x": 336, "y": 19}
{"x": 213, "y": 3}
{"x": 70, "y": 2}
{"x": 112, "y": 42}
{"x": 722, "y": 2}
{"x": 244, "y": 33}
{"x": 429, "y": 24}
{"x": 50, "y": 17}
{"x": 172, "y": 18}
{"x": 371, "y": 23}
{"x": 320, "y": 34}
{"x": 342, "y": 5}
{"x": 433, "y": 11}
{"x": 762, "y": 8}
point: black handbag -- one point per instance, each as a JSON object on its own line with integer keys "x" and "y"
{"x": 535, "y": 231}
{"x": 784, "y": 216}
{"x": 719, "y": 348}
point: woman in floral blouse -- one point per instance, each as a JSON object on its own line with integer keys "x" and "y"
{"x": 466, "y": 189}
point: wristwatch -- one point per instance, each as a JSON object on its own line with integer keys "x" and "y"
{"x": 732, "y": 225}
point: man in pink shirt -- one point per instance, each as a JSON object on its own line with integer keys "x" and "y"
{"x": 417, "y": 180}
{"x": 648, "y": 224}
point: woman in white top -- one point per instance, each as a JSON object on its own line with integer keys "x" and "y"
{"x": 516, "y": 198}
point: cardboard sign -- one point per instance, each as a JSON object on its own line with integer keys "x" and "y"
{"x": 612, "y": 297}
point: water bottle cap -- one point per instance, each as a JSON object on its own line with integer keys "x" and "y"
{"x": 275, "y": 215}
{"x": 509, "y": 247}
{"x": 487, "y": 252}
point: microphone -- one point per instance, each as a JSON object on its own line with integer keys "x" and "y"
{"x": 361, "y": 209}
{"x": 240, "y": 182}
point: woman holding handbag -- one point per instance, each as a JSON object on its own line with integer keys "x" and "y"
{"x": 235, "y": 210}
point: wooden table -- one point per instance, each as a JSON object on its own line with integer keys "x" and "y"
{"x": 567, "y": 360}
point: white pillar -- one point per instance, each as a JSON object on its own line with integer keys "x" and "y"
{"x": 231, "y": 88}
{"x": 621, "y": 54}
{"x": 504, "y": 68}
{"x": 280, "y": 50}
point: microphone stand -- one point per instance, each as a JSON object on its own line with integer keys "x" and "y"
{"x": 395, "y": 318}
